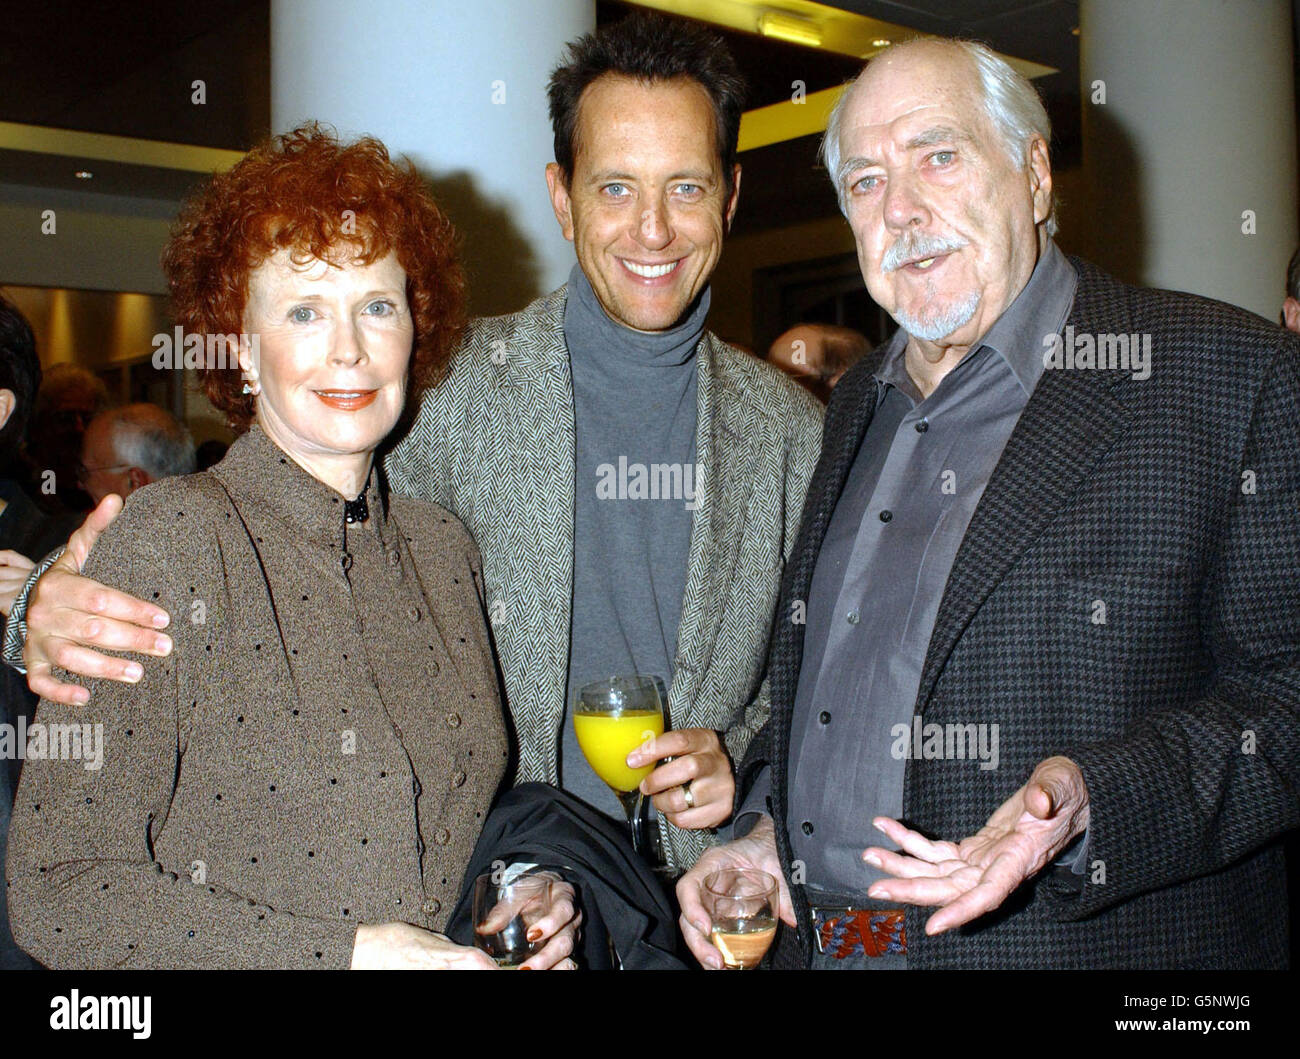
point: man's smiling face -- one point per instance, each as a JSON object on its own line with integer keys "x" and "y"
{"x": 646, "y": 205}
{"x": 946, "y": 224}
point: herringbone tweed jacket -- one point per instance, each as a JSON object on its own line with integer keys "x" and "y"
{"x": 1127, "y": 594}
{"x": 495, "y": 443}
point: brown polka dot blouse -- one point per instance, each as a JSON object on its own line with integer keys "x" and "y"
{"x": 317, "y": 752}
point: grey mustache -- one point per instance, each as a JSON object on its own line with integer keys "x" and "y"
{"x": 917, "y": 248}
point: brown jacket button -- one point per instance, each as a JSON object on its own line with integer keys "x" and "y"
{"x": 413, "y": 613}
{"x": 458, "y": 779}
{"x": 394, "y": 557}
{"x": 442, "y": 837}
{"x": 453, "y": 720}
{"x": 432, "y": 907}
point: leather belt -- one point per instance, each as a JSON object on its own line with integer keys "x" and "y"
{"x": 842, "y": 932}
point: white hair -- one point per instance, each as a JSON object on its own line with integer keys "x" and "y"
{"x": 1011, "y": 102}
{"x": 148, "y": 437}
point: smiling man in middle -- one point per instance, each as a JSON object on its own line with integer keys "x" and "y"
{"x": 676, "y": 571}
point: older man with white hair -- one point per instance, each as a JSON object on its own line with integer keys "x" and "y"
{"x": 1044, "y": 603}
{"x": 125, "y": 448}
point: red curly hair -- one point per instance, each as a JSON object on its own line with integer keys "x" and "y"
{"x": 292, "y": 192}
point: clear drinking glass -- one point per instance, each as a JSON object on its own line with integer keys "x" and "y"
{"x": 504, "y": 913}
{"x": 742, "y": 905}
{"x": 612, "y": 717}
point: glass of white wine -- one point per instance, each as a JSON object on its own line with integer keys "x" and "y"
{"x": 612, "y": 717}
{"x": 742, "y": 905}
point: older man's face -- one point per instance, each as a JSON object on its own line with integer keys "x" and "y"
{"x": 647, "y": 204}
{"x": 945, "y": 222}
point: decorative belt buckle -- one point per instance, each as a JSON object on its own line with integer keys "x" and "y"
{"x": 873, "y": 932}
{"x": 822, "y": 916}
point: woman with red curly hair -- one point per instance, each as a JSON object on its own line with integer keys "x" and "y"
{"x": 301, "y": 782}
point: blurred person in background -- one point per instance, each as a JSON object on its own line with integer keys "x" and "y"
{"x": 24, "y": 528}
{"x": 125, "y": 448}
{"x": 69, "y": 398}
{"x": 1291, "y": 304}
{"x": 817, "y": 355}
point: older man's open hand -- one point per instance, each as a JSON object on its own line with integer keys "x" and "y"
{"x": 974, "y": 876}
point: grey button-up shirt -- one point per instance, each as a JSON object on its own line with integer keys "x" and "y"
{"x": 909, "y": 497}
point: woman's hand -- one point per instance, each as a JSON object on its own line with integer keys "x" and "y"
{"x": 699, "y": 760}
{"x": 14, "y": 569}
{"x": 559, "y": 925}
{"x": 402, "y": 947}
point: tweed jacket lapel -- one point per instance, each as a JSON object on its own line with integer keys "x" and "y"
{"x": 533, "y": 410}
{"x": 725, "y": 454}
{"x": 1070, "y": 421}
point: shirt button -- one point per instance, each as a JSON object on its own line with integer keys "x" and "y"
{"x": 922, "y": 425}
{"x": 807, "y": 827}
{"x": 453, "y": 720}
{"x": 886, "y": 515}
{"x": 442, "y": 837}
{"x": 431, "y": 908}
{"x": 852, "y": 617}
{"x": 346, "y": 562}
{"x": 824, "y": 717}
{"x": 413, "y": 613}
{"x": 458, "y": 779}
{"x": 394, "y": 557}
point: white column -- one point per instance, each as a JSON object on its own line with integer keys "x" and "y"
{"x": 1196, "y": 141}
{"x": 460, "y": 87}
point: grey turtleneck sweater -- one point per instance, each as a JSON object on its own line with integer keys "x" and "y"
{"x": 634, "y": 408}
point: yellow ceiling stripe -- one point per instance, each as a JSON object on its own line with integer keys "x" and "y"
{"x": 99, "y": 147}
{"x": 788, "y": 120}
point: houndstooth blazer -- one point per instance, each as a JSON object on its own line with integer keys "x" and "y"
{"x": 1127, "y": 594}
{"x": 495, "y": 443}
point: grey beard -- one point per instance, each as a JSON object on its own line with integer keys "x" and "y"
{"x": 932, "y": 328}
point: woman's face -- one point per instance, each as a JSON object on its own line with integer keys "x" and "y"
{"x": 334, "y": 347}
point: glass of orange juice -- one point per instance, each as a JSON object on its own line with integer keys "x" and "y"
{"x": 611, "y": 718}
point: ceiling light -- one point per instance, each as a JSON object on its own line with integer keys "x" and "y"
{"x": 83, "y": 174}
{"x": 881, "y": 42}
{"x": 790, "y": 28}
